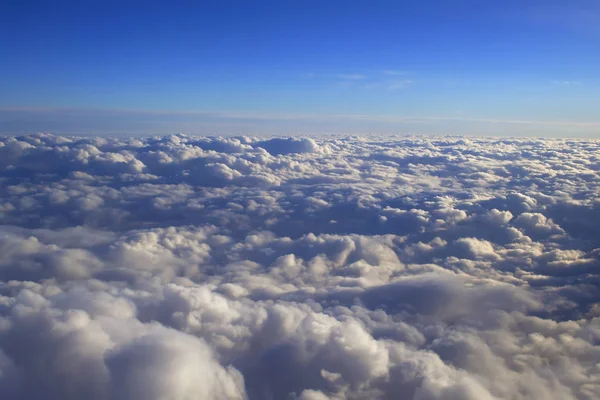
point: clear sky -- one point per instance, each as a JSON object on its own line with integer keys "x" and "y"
{"x": 300, "y": 66}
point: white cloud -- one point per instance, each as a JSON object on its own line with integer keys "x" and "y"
{"x": 398, "y": 84}
{"x": 567, "y": 83}
{"x": 394, "y": 72}
{"x": 351, "y": 77}
{"x": 188, "y": 267}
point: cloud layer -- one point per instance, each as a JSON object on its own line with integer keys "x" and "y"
{"x": 119, "y": 122}
{"x": 355, "y": 268}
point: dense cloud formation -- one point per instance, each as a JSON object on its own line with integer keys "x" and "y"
{"x": 353, "y": 268}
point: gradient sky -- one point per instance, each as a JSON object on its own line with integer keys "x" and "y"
{"x": 512, "y": 67}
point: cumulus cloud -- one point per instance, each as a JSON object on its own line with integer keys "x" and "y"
{"x": 188, "y": 267}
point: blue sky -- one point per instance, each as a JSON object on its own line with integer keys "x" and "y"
{"x": 301, "y": 66}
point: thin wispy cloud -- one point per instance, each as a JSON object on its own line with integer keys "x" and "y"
{"x": 567, "y": 83}
{"x": 351, "y": 77}
{"x": 389, "y": 85}
{"x": 394, "y": 72}
{"x": 397, "y": 85}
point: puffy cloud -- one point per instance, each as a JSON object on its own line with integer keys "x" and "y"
{"x": 278, "y": 146}
{"x": 168, "y": 364}
{"x": 344, "y": 268}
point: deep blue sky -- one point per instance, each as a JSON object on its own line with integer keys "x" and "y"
{"x": 479, "y": 66}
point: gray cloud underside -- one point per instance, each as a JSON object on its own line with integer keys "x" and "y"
{"x": 359, "y": 268}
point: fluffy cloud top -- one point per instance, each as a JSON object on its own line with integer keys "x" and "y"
{"x": 351, "y": 268}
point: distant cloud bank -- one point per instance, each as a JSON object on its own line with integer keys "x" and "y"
{"x": 124, "y": 122}
{"x": 182, "y": 267}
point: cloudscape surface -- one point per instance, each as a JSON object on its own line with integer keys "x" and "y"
{"x": 182, "y": 267}
{"x": 300, "y": 200}
{"x": 237, "y": 67}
